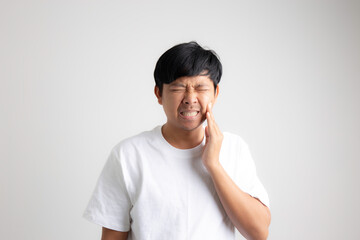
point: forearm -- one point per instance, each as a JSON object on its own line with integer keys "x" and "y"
{"x": 108, "y": 234}
{"x": 247, "y": 214}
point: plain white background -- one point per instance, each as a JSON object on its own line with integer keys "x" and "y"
{"x": 76, "y": 78}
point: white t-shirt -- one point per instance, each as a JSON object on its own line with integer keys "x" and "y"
{"x": 161, "y": 192}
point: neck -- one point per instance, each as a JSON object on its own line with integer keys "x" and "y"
{"x": 181, "y": 138}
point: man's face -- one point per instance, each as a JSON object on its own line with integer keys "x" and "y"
{"x": 185, "y": 100}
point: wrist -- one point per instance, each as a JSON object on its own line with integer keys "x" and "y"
{"x": 213, "y": 167}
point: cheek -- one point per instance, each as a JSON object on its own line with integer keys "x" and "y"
{"x": 171, "y": 103}
{"x": 205, "y": 100}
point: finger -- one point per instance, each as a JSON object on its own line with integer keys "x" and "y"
{"x": 209, "y": 120}
{"x": 208, "y": 109}
{"x": 211, "y": 111}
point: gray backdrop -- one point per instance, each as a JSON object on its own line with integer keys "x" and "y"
{"x": 76, "y": 78}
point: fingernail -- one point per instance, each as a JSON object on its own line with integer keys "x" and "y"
{"x": 210, "y": 105}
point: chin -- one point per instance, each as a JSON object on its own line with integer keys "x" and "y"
{"x": 192, "y": 127}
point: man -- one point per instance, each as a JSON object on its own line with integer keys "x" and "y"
{"x": 181, "y": 180}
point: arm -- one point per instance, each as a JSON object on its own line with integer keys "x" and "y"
{"x": 108, "y": 234}
{"x": 248, "y": 214}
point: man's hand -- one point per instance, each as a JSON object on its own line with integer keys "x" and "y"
{"x": 247, "y": 213}
{"x": 214, "y": 138}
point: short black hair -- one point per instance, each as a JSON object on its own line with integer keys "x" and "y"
{"x": 187, "y": 59}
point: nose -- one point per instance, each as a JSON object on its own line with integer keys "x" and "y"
{"x": 190, "y": 97}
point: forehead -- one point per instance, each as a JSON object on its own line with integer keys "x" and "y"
{"x": 193, "y": 80}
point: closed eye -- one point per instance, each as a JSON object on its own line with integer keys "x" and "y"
{"x": 203, "y": 89}
{"x": 177, "y": 89}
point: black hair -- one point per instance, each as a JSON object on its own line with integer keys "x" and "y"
{"x": 187, "y": 59}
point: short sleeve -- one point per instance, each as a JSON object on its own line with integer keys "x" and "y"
{"x": 110, "y": 205}
{"x": 247, "y": 177}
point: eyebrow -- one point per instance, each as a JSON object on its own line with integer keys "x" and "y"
{"x": 202, "y": 85}
{"x": 177, "y": 85}
{"x": 183, "y": 85}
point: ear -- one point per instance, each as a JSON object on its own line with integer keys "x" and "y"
{"x": 158, "y": 94}
{"x": 216, "y": 93}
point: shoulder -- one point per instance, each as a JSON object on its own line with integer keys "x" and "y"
{"x": 234, "y": 150}
{"x": 236, "y": 159}
{"x": 234, "y": 140}
{"x": 137, "y": 141}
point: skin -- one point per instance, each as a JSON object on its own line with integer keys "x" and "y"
{"x": 197, "y": 94}
{"x": 108, "y": 234}
{"x": 186, "y": 94}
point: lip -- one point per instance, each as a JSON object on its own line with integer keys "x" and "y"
{"x": 189, "y": 117}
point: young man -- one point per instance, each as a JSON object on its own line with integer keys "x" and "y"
{"x": 181, "y": 180}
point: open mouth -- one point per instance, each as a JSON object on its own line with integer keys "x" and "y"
{"x": 189, "y": 113}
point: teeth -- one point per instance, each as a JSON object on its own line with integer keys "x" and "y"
{"x": 189, "y": 114}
